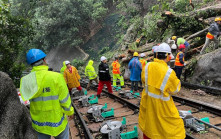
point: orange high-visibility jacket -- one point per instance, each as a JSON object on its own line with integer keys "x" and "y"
{"x": 177, "y": 61}
{"x": 116, "y": 67}
{"x": 210, "y": 36}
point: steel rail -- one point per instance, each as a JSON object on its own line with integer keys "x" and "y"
{"x": 207, "y": 89}
{"x": 130, "y": 105}
{"x": 198, "y": 105}
{"x": 87, "y": 134}
{"x": 208, "y": 124}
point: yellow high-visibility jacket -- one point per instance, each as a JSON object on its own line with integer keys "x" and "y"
{"x": 72, "y": 79}
{"x": 49, "y": 100}
{"x": 89, "y": 70}
{"x": 159, "y": 117}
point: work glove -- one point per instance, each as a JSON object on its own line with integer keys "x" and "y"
{"x": 185, "y": 64}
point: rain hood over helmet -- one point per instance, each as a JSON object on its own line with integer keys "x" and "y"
{"x": 34, "y": 55}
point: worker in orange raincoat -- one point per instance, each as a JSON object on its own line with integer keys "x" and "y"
{"x": 72, "y": 77}
{"x": 159, "y": 117}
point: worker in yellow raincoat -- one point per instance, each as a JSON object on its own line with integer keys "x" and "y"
{"x": 72, "y": 77}
{"x": 90, "y": 73}
{"x": 63, "y": 68}
{"x": 159, "y": 117}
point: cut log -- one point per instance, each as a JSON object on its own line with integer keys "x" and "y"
{"x": 195, "y": 50}
{"x": 197, "y": 34}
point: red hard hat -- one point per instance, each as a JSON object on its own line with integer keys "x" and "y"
{"x": 182, "y": 46}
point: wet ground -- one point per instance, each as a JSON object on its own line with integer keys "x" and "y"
{"x": 132, "y": 119}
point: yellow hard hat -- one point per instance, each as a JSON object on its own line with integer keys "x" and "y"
{"x": 218, "y": 19}
{"x": 136, "y": 54}
{"x": 174, "y": 38}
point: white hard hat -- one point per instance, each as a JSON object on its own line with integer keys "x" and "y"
{"x": 142, "y": 55}
{"x": 154, "y": 48}
{"x": 67, "y": 62}
{"x": 164, "y": 47}
{"x": 173, "y": 46}
{"x": 103, "y": 58}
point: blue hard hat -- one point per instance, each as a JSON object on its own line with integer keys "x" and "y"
{"x": 34, "y": 55}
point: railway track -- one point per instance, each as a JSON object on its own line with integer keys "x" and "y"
{"x": 198, "y": 109}
{"x": 196, "y": 104}
{"x": 129, "y": 109}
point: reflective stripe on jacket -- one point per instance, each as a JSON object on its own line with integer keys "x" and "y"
{"x": 72, "y": 79}
{"x": 179, "y": 60}
{"x": 158, "y": 116}
{"x": 116, "y": 67}
{"x": 49, "y": 100}
{"x": 89, "y": 70}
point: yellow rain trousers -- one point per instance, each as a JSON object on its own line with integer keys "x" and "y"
{"x": 117, "y": 76}
{"x": 159, "y": 117}
{"x": 89, "y": 70}
{"x": 49, "y": 100}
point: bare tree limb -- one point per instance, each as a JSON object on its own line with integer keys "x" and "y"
{"x": 197, "y": 34}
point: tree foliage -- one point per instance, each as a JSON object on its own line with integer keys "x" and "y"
{"x": 78, "y": 63}
{"x": 60, "y": 22}
{"x": 12, "y": 30}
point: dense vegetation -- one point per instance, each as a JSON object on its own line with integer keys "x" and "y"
{"x": 12, "y": 30}
{"x": 46, "y": 24}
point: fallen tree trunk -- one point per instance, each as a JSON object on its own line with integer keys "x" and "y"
{"x": 128, "y": 58}
{"x": 207, "y": 11}
{"x": 190, "y": 22}
{"x": 197, "y": 34}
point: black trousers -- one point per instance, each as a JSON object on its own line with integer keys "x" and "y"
{"x": 134, "y": 85}
{"x": 178, "y": 70}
